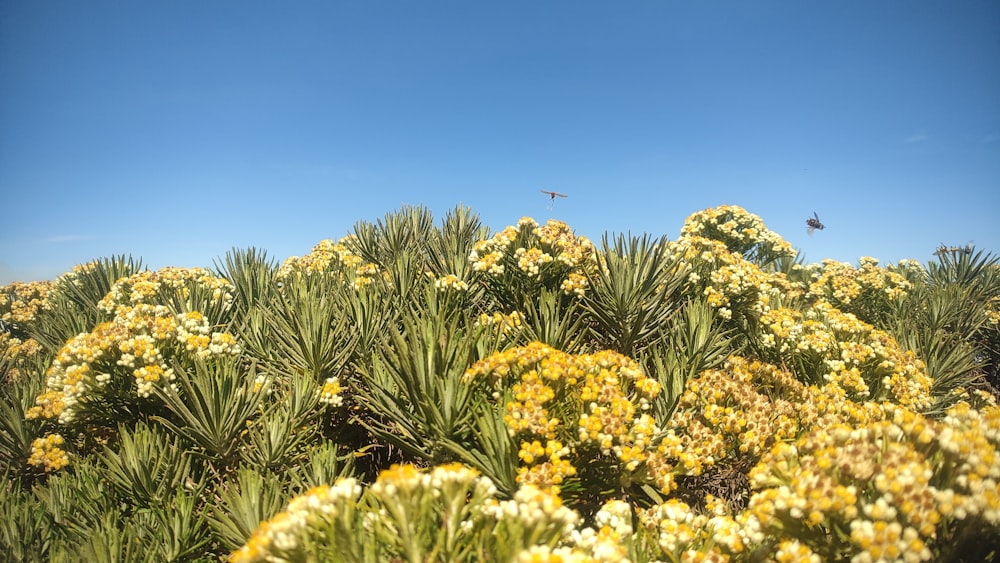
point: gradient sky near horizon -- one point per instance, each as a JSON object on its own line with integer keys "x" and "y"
{"x": 176, "y": 130}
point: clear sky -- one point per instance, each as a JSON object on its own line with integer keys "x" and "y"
{"x": 176, "y": 130}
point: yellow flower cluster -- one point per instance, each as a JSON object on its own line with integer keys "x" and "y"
{"x": 423, "y": 513}
{"x": 329, "y": 257}
{"x": 141, "y": 339}
{"x": 533, "y": 507}
{"x": 684, "y": 534}
{"x": 899, "y": 485}
{"x": 729, "y": 281}
{"x": 792, "y": 551}
{"x": 531, "y": 249}
{"x": 450, "y": 282}
{"x": 562, "y": 554}
{"x": 993, "y": 312}
{"x": 487, "y": 255}
{"x": 841, "y": 284}
{"x": 740, "y": 231}
{"x": 737, "y": 411}
{"x": 46, "y": 453}
{"x": 895, "y": 486}
{"x": 330, "y": 393}
{"x": 284, "y": 533}
{"x": 148, "y": 287}
{"x": 563, "y": 405}
{"x": 575, "y": 284}
{"x": 571, "y": 250}
{"x": 73, "y": 276}
{"x": 505, "y": 323}
{"x": 21, "y": 301}
{"x": 14, "y": 353}
{"x": 610, "y": 535}
{"x": 828, "y": 345}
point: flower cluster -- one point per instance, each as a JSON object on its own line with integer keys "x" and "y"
{"x": 575, "y": 284}
{"x": 571, "y": 250}
{"x": 740, "y": 231}
{"x": 737, "y": 411}
{"x": 139, "y": 341}
{"x": 411, "y": 509}
{"x": 16, "y": 353}
{"x": 47, "y": 453}
{"x": 505, "y": 323}
{"x": 149, "y": 287}
{"x": 534, "y": 508}
{"x": 450, "y": 282}
{"x": 330, "y": 393}
{"x": 608, "y": 539}
{"x": 543, "y": 253}
{"x": 728, "y": 280}
{"x": 899, "y": 486}
{"x": 79, "y": 270}
{"x": 563, "y": 407}
{"x": 283, "y": 534}
{"x": 867, "y": 291}
{"x": 331, "y": 258}
{"x": 449, "y": 512}
{"x": 680, "y": 533}
{"x": 993, "y": 312}
{"x": 834, "y": 347}
{"x": 20, "y": 302}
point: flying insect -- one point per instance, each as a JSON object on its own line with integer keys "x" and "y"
{"x": 814, "y": 223}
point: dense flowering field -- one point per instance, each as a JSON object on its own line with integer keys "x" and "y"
{"x": 422, "y": 391}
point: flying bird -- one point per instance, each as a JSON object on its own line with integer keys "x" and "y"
{"x": 814, "y": 223}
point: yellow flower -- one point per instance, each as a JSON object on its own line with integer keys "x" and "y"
{"x": 46, "y": 453}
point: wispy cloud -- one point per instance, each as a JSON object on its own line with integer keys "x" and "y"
{"x": 916, "y": 138}
{"x": 58, "y": 239}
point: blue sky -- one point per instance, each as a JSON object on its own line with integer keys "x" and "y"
{"x": 174, "y": 131}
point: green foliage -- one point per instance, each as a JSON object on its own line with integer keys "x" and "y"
{"x": 305, "y": 330}
{"x": 254, "y": 276}
{"x": 279, "y": 436}
{"x": 242, "y": 502}
{"x": 173, "y": 532}
{"x": 324, "y": 464}
{"x": 399, "y": 232}
{"x": 75, "y": 503}
{"x": 399, "y": 245}
{"x": 371, "y": 313}
{"x": 694, "y": 342}
{"x": 950, "y": 321}
{"x": 210, "y": 407}
{"x": 491, "y": 450}
{"x": 976, "y": 269}
{"x": 177, "y": 530}
{"x": 147, "y": 467}
{"x": 449, "y": 247}
{"x": 413, "y": 385}
{"x": 111, "y": 540}
{"x": 17, "y": 433}
{"x": 25, "y": 531}
{"x": 555, "y": 320}
{"x": 634, "y": 293}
